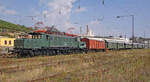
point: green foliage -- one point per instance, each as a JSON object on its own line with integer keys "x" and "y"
{"x": 12, "y": 27}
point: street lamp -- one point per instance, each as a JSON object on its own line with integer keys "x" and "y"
{"x": 132, "y": 25}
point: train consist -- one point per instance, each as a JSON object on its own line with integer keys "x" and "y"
{"x": 52, "y": 44}
{"x": 100, "y": 44}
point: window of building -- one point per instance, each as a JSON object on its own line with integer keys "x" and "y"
{"x": 9, "y": 42}
{"x": 5, "y": 42}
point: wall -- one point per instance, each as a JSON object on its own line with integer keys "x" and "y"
{"x": 6, "y": 42}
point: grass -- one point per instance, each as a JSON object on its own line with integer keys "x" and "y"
{"x": 113, "y": 66}
{"x": 12, "y": 27}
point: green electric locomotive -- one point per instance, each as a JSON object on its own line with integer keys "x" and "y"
{"x": 48, "y": 44}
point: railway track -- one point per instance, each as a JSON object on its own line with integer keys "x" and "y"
{"x": 101, "y": 59}
{"x": 23, "y": 68}
{"x": 9, "y": 61}
{"x": 115, "y": 63}
{"x": 48, "y": 63}
{"x": 8, "y": 55}
{"x": 31, "y": 67}
{"x": 37, "y": 66}
{"x": 18, "y": 61}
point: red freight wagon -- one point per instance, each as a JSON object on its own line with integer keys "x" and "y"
{"x": 94, "y": 43}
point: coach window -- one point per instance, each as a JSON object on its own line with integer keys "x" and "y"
{"x": 9, "y": 42}
{"x": 5, "y": 42}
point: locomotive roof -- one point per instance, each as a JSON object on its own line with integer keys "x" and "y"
{"x": 36, "y": 33}
{"x": 60, "y": 35}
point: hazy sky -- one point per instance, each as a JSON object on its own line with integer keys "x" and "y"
{"x": 66, "y": 13}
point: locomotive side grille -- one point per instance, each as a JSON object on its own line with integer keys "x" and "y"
{"x": 19, "y": 43}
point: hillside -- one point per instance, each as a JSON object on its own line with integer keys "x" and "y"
{"x": 10, "y": 27}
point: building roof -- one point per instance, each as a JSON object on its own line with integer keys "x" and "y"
{"x": 2, "y": 37}
{"x": 5, "y": 37}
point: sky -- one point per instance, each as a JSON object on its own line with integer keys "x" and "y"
{"x": 65, "y": 14}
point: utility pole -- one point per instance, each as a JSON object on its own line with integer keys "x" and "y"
{"x": 103, "y": 2}
{"x": 125, "y": 36}
{"x": 87, "y": 29}
{"x": 133, "y": 28}
{"x": 133, "y": 37}
{"x": 144, "y": 39}
{"x": 80, "y": 30}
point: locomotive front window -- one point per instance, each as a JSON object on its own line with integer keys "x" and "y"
{"x": 82, "y": 44}
{"x": 36, "y": 36}
{"x": 33, "y": 36}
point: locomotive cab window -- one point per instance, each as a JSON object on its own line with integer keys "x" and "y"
{"x": 36, "y": 36}
{"x": 82, "y": 44}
